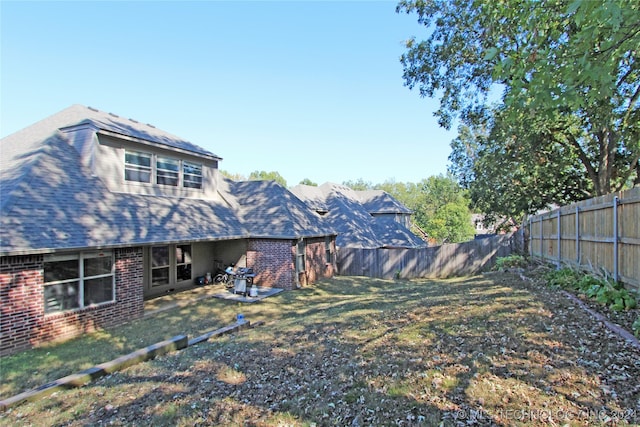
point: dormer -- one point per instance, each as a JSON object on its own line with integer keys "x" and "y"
{"x": 130, "y": 157}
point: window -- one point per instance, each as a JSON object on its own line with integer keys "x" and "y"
{"x": 78, "y": 280}
{"x": 192, "y": 175}
{"x": 327, "y": 248}
{"x": 167, "y": 171}
{"x": 137, "y": 166}
{"x": 160, "y": 265}
{"x": 140, "y": 167}
{"x": 300, "y": 261}
{"x": 183, "y": 262}
{"x": 170, "y": 264}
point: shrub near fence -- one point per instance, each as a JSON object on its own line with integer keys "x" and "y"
{"x": 602, "y": 233}
{"x": 455, "y": 259}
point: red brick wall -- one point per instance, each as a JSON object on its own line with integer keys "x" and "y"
{"x": 23, "y": 323}
{"x": 272, "y": 261}
{"x": 316, "y": 260}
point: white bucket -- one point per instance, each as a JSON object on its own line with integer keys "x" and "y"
{"x": 253, "y": 292}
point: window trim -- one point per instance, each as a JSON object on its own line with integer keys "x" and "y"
{"x": 327, "y": 249}
{"x": 189, "y": 175}
{"x": 81, "y": 279}
{"x": 168, "y": 174}
{"x": 138, "y": 168}
{"x": 197, "y": 166}
{"x": 172, "y": 265}
{"x": 153, "y": 267}
{"x": 301, "y": 252}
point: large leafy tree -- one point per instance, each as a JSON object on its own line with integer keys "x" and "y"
{"x": 440, "y": 207}
{"x": 568, "y": 71}
{"x": 513, "y": 171}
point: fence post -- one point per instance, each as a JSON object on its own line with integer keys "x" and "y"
{"x": 578, "y": 235}
{"x": 541, "y": 237}
{"x": 615, "y": 238}
{"x": 559, "y": 240}
{"x": 530, "y": 243}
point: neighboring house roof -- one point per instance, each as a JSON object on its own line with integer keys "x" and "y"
{"x": 269, "y": 210}
{"x": 381, "y": 202}
{"x": 355, "y": 224}
{"x": 49, "y": 201}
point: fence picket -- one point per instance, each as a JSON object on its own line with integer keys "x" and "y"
{"x": 605, "y": 231}
{"x": 455, "y": 259}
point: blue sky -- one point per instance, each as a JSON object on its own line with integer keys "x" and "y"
{"x": 308, "y": 89}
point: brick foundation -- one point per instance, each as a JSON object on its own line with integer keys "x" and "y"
{"x": 23, "y": 322}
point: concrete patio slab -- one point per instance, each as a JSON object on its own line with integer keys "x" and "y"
{"x": 262, "y": 294}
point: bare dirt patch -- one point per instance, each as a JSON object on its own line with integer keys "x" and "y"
{"x": 487, "y": 350}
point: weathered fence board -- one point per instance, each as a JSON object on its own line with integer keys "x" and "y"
{"x": 448, "y": 260}
{"x": 599, "y": 233}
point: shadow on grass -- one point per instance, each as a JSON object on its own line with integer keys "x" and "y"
{"x": 357, "y": 351}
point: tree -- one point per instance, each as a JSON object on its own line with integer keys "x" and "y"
{"x": 358, "y": 184}
{"x": 451, "y": 223}
{"x": 445, "y": 213}
{"x": 233, "y": 176}
{"x": 268, "y": 176}
{"x": 568, "y": 68}
{"x": 440, "y": 207}
{"x": 511, "y": 171}
{"x": 307, "y": 181}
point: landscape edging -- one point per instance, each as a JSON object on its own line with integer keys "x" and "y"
{"x": 178, "y": 342}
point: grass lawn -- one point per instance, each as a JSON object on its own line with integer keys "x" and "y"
{"x": 485, "y": 350}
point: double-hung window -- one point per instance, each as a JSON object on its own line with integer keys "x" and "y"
{"x": 140, "y": 167}
{"x": 76, "y": 281}
{"x": 137, "y": 166}
{"x": 167, "y": 171}
{"x": 192, "y": 175}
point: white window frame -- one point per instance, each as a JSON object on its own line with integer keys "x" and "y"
{"x": 134, "y": 167}
{"x": 172, "y": 265}
{"x": 301, "y": 251}
{"x": 187, "y": 174}
{"x": 165, "y": 173}
{"x": 166, "y": 266}
{"x": 80, "y": 258}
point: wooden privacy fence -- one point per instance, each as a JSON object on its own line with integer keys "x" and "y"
{"x": 456, "y": 259}
{"x": 599, "y": 233}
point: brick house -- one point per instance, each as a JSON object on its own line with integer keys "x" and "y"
{"x": 100, "y": 212}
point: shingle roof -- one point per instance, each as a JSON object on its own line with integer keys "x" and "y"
{"x": 378, "y": 202}
{"x": 58, "y": 204}
{"x": 268, "y": 209}
{"x": 351, "y": 218}
{"x": 28, "y": 139}
{"x": 49, "y": 201}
